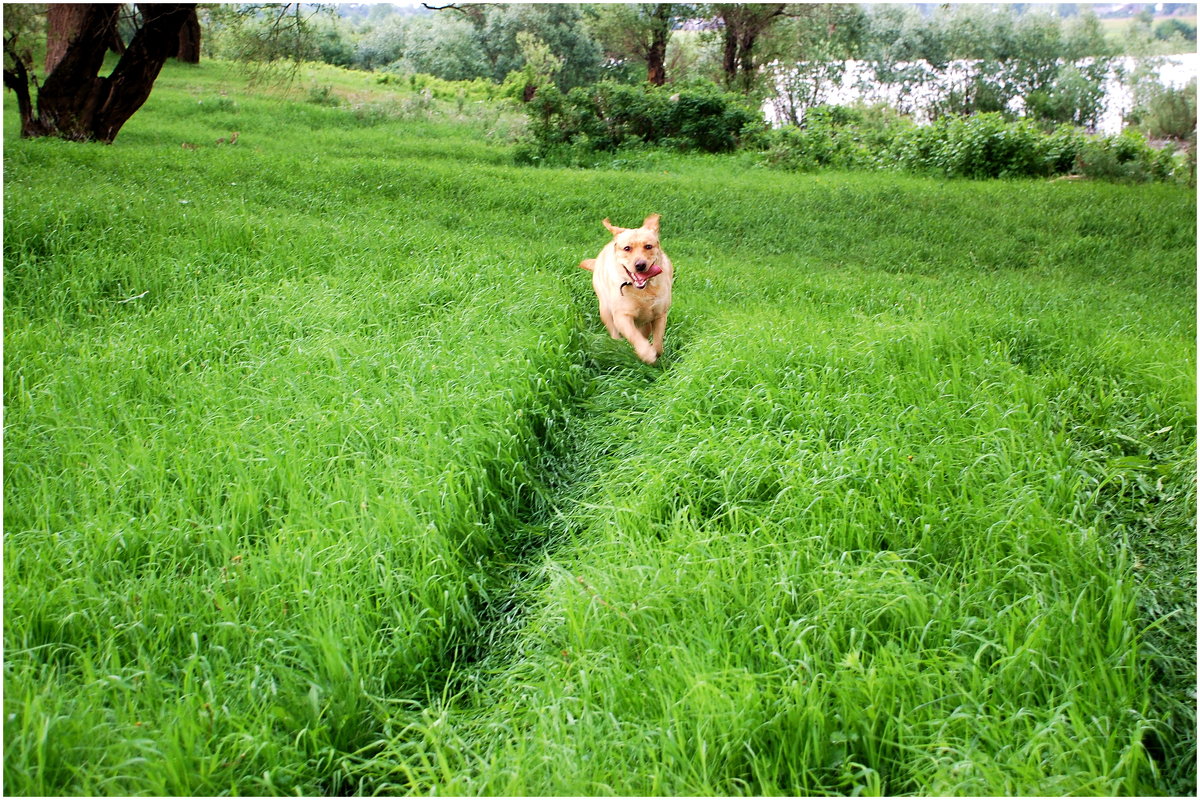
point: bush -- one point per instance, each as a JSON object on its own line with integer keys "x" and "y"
{"x": 323, "y": 96}
{"x": 474, "y": 90}
{"x": 982, "y": 146}
{"x": 985, "y": 146}
{"x": 1175, "y": 27}
{"x": 834, "y": 137}
{"x": 608, "y": 115}
{"x": 1126, "y": 158}
{"x": 1168, "y": 112}
{"x": 812, "y": 148}
{"x": 585, "y": 126}
{"x": 1063, "y": 147}
{"x": 1075, "y": 96}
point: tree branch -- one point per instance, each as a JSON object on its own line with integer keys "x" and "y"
{"x": 472, "y": 11}
{"x": 17, "y": 79}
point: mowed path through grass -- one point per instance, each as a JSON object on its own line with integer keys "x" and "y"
{"x": 321, "y": 476}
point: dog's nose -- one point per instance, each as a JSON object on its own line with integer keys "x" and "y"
{"x": 640, "y": 266}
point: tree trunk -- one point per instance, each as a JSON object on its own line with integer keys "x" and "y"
{"x": 74, "y": 102}
{"x": 17, "y": 79}
{"x": 189, "y": 40}
{"x": 80, "y": 33}
{"x": 742, "y": 24}
{"x": 656, "y": 70}
{"x": 729, "y": 60}
{"x": 65, "y": 20}
{"x": 746, "y": 60}
{"x": 656, "y": 54}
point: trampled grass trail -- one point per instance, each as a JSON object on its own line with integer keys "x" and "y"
{"x": 322, "y": 477}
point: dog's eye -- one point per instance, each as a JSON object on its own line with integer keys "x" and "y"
{"x": 649, "y": 247}
{"x": 627, "y": 248}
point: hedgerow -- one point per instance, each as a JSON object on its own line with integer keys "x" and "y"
{"x": 576, "y": 127}
{"x": 988, "y": 146}
{"x": 979, "y": 146}
{"x": 609, "y": 115}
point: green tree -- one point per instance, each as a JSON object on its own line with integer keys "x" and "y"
{"x": 973, "y": 59}
{"x": 444, "y": 46}
{"x": 1139, "y": 36}
{"x": 807, "y": 53}
{"x": 637, "y": 32}
{"x": 382, "y": 43}
{"x": 495, "y": 37}
{"x": 271, "y": 39}
{"x": 1076, "y": 92}
{"x": 904, "y": 52}
{"x": 540, "y": 69}
{"x": 741, "y": 25}
{"x": 335, "y": 42}
{"x": 379, "y": 12}
{"x": 1084, "y": 37}
{"x": 980, "y": 40}
{"x": 559, "y": 25}
{"x": 1175, "y": 27}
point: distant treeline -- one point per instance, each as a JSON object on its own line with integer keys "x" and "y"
{"x": 727, "y": 43}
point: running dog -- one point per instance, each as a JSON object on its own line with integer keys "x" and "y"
{"x": 632, "y": 278}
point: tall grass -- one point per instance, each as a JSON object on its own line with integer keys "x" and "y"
{"x": 322, "y": 478}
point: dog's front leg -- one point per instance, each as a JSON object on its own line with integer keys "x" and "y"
{"x": 607, "y": 318}
{"x": 660, "y": 330}
{"x": 641, "y": 345}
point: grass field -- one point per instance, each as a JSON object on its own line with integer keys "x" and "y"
{"x": 322, "y": 477}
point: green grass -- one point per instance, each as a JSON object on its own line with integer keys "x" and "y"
{"x": 321, "y": 476}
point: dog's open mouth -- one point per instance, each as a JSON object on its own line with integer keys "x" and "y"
{"x": 640, "y": 279}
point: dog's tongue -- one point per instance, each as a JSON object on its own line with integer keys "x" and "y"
{"x": 639, "y": 279}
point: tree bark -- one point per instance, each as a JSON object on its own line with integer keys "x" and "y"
{"x": 129, "y": 85}
{"x": 17, "y": 79}
{"x": 65, "y": 20}
{"x": 729, "y": 59}
{"x": 70, "y": 94}
{"x": 656, "y": 53}
{"x": 189, "y": 40}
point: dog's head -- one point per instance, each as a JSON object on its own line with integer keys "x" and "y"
{"x": 637, "y": 250}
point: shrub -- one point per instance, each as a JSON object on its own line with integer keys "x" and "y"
{"x": 812, "y": 148}
{"x": 982, "y": 146}
{"x": 1168, "y": 112}
{"x": 609, "y": 115}
{"x": 578, "y": 128}
{"x": 1175, "y": 27}
{"x": 323, "y": 96}
{"x": 985, "y": 146}
{"x": 1063, "y": 147}
{"x": 474, "y": 90}
{"x": 1076, "y": 95}
{"x": 1126, "y": 157}
{"x": 837, "y": 137}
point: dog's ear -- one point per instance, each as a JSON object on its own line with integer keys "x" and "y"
{"x": 613, "y": 228}
{"x": 651, "y": 223}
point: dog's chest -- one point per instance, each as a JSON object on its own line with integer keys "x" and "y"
{"x": 647, "y": 304}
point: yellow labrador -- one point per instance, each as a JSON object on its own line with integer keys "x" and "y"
{"x": 632, "y": 278}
